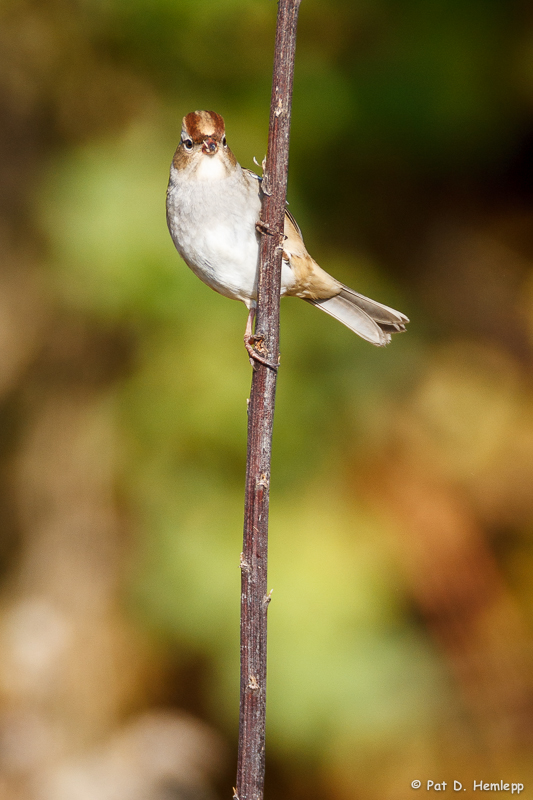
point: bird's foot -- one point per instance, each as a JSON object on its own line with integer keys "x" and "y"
{"x": 264, "y": 227}
{"x": 254, "y": 344}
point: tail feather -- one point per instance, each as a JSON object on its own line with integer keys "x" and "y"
{"x": 373, "y": 321}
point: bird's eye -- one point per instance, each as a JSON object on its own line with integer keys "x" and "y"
{"x": 187, "y": 143}
{"x": 224, "y": 141}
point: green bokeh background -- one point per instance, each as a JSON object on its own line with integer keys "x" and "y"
{"x": 412, "y": 120}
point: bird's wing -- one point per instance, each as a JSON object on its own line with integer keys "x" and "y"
{"x": 311, "y": 281}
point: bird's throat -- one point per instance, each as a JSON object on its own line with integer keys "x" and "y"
{"x": 211, "y": 168}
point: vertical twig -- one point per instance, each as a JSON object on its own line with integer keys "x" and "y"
{"x": 254, "y": 597}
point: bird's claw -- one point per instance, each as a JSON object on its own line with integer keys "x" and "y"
{"x": 250, "y": 343}
{"x": 264, "y": 227}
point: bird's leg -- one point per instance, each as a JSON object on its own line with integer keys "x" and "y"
{"x": 251, "y": 340}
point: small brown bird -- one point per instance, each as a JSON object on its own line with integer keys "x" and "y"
{"x": 213, "y": 207}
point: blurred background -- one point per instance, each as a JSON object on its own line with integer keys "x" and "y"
{"x": 401, "y": 553}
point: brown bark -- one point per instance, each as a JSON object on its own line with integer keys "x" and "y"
{"x": 254, "y": 597}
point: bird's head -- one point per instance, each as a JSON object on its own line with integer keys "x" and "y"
{"x": 203, "y": 151}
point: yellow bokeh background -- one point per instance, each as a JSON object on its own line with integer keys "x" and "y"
{"x": 401, "y": 549}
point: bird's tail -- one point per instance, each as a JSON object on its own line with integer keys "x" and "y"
{"x": 370, "y": 320}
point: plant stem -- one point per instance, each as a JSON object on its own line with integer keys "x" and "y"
{"x": 254, "y": 597}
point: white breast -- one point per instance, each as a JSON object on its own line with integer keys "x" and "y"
{"x": 212, "y": 220}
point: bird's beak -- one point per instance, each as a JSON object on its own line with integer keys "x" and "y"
{"x": 210, "y": 146}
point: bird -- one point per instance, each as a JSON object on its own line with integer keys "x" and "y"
{"x": 213, "y": 211}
